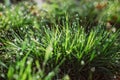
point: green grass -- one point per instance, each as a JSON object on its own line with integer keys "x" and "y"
{"x": 61, "y": 43}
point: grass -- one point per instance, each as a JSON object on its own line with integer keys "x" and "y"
{"x": 61, "y": 43}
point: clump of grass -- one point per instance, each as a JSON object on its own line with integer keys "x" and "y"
{"x": 40, "y": 47}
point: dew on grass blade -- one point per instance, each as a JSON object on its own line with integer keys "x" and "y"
{"x": 82, "y": 62}
{"x": 98, "y": 52}
{"x": 2, "y": 75}
{"x": 48, "y": 52}
{"x": 21, "y": 53}
{"x": 21, "y": 28}
{"x": 93, "y": 69}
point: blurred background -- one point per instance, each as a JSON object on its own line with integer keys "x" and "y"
{"x": 94, "y": 11}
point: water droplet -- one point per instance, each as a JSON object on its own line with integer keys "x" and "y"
{"x": 82, "y": 62}
{"x": 98, "y": 52}
{"x": 15, "y": 76}
{"x": 113, "y": 29}
{"x": 21, "y": 28}
{"x": 21, "y": 53}
{"x": 28, "y": 62}
{"x": 115, "y": 76}
{"x": 93, "y": 69}
{"x": 37, "y": 76}
{"x": 2, "y": 75}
